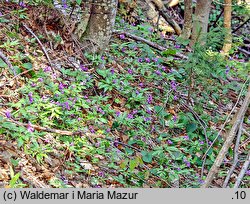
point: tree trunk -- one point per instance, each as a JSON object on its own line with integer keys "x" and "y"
{"x": 95, "y": 29}
{"x": 187, "y": 28}
{"x": 227, "y": 25}
{"x": 200, "y": 23}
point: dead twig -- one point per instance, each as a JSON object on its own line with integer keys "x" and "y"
{"x": 236, "y": 156}
{"x": 40, "y": 43}
{"x": 6, "y": 60}
{"x": 243, "y": 171}
{"x": 151, "y": 44}
{"x": 224, "y": 124}
{"x": 219, "y": 159}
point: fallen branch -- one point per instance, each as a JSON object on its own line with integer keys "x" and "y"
{"x": 244, "y": 51}
{"x": 151, "y": 44}
{"x": 240, "y": 115}
{"x": 242, "y": 172}
{"x": 236, "y": 156}
{"x": 40, "y": 43}
{"x": 6, "y": 60}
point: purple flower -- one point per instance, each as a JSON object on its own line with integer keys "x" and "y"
{"x": 201, "y": 142}
{"x": 149, "y": 111}
{"x": 175, "y": 98}
{"x": 123, "y": 49}
{"x": 187, "y": 162}
{"x": 112, "y": 71}
{"x": 118, "y": 113}
{"x": 64, "y": 3}
{"x": 186, "y": 137}
{"x": 169, "y": 142}
{"x": 97, "y": 144}
{"x": 227, "y": 70}
{"x": 174, "y": 118}
{"x": 248, "y": 172}
{"x": 146, "y": 119}
{"x": 33, "y": 84}
{"x": 137, "y": 92}
{"x": 134, "y": 112}
{"x": 173, "y": 85}
{"x": 149, "y": 99}
{"x": 66, "y": 105}
{"x": 7, "y": 114}
{"x": 47, "y": 69}
{"x": 22, "y": 4}
{"x": 130, "y": 116}
{"x": 140, "y": 60}
{"x": 130, "y": 71}
{"x": 40, "y": 79}
{"x": 30, "y": 95}
{"x": 122, "y": 36}
{"x": 151, "y": 29}
{"x": 147, "y": 60}
{"x": 29, "y": 127}
{"x": 91, "y": 129}
{"x": 200, "y": 181}
{"x": 61, "y": 86}
{"x": 141, "y": 85}
{"x": 163, "y": 68}
{"x": 158, "y": 72}
{"x": 101, "y": 111}
{"x": 101, "y": 174}
{"x": 155, "y": 59}
{"x": 83, "y": 68}
{"x": 177, "y": 46}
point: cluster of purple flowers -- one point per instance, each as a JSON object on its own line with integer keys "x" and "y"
{"x": 186, "y": 162}
{"x": 30, "y": 95}
{"x": 83, "y": 68}
{"x": 29, "y": 127}
{"x": 149, "y": 99}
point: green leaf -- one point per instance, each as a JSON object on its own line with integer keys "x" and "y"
{"x": 132, "y": 164}
{"x": 168, "y": 52}
{"x": 191, "y": 127}
{"x": 147, "y": 156}
{"x": 27, "y": 65}
{"x": 78, "y": 2}
{"x": 2, "y": 63}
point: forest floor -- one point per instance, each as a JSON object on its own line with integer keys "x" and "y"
{"x": 134, "y": 116}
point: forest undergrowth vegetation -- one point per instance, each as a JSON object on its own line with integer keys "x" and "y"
{"x": 145, "y": 118}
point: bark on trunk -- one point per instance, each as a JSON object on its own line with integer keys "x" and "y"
{"x": 95, "y": 29}
{"x": 200, "y": 23}
{"x": 227, "y": 25}
{"x": 187, "y": 28}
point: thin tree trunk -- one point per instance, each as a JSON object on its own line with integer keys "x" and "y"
{"x": 200, "y": 23}
{"x": 224, "y": 150}
{"x": 187, "y": 28}
{"x": 227, "y": 25}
